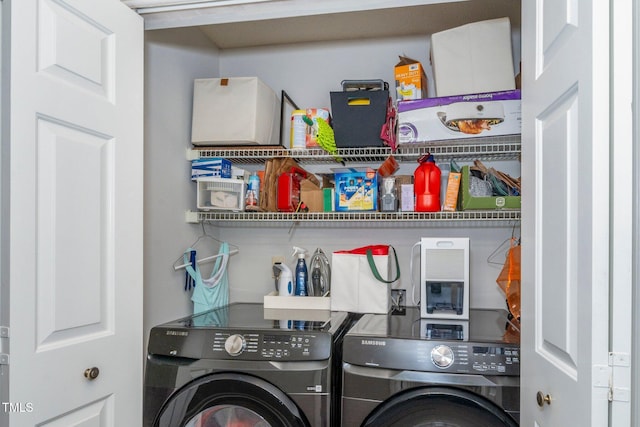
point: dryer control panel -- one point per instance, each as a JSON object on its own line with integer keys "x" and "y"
{"x": 486, "y": 344}
{"x": 483, "y": 359}
{"x": 495, "y": 359}
{"x": 433, "y": 356}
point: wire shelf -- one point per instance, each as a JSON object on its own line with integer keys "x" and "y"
{"x": 469, "y": 218}
{"x": 495, "y": 148}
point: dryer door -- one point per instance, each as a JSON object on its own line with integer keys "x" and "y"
{"x": 228, "y": 399}
{"x": 438, "y": 407}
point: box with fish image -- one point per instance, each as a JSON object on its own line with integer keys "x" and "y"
{"x": 458, "y": 117}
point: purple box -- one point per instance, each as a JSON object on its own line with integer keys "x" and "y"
{"x": 461, "y": 116}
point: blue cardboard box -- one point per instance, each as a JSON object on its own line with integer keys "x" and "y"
{"x": 210, "y": 166}
{"x": 356, "y": 189}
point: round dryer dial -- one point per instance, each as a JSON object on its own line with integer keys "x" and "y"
{"x": 442, "y": 356}
{"x": 235, "y": 344}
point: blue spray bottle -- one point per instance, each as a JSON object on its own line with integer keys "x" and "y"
{"x": 302, "y": 275}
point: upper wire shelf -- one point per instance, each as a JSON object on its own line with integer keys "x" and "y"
{"x": 495, "y": 148}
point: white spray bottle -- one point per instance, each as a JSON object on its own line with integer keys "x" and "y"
{"x": 285, "y": 280}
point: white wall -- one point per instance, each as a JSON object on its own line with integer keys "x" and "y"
{"x": 173, "y": 58}
{"x": 250, "y": 270}
{"x": 308, "y": 72}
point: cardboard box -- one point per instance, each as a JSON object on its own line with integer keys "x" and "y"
{"x": 473, "y": 58}
{"x": 312, "y": 196}
{"x": 461, "y": 116}
{"x": 411, "y": 80}
{"x": 358, "y": 116}
{"x": 407, "y": 198}
{"x": 404, "y": 185}
{"x": 453, "y": 189}
{"x": 210, "y": 166}
{"x": 467, "y": 202}
{"x": 356, "y": 189}
{"x": 234, "y": 111}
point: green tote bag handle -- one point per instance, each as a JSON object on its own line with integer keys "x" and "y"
{"x": 374, "y": 269}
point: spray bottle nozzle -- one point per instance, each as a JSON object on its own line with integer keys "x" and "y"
{"x": 299, "y": 252}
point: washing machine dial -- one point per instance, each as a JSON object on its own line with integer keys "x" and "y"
{"x": 235, "y": 344}
{"x": 442, "y": 356}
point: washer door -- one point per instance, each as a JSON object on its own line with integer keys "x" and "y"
{"x": 438, "y": 407}
{"x": 230, "y": 400}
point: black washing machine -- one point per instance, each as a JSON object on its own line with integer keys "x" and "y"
{"x": 404, "y": 371}
{"x": 245, "y": 366}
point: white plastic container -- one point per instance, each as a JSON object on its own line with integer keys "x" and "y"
{"x": 298, "y": 137}
{"x": 223, "y": 194}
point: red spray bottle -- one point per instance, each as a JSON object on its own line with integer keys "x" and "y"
{"x": 426, "y": 185}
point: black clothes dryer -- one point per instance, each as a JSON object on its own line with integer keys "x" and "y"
{"x": 404, "y": 371}
{"x": 245, "y": 366}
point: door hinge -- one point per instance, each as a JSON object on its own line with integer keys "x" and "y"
{"x": 4, "y": 345}
{"x": 618, "y": 364}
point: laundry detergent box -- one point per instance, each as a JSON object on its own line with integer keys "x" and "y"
{"x": 356, "y": 189}
{"x": 461, "y": 116}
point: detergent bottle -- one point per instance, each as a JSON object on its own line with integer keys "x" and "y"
{"x": 302, "y": 275}
{"x": 426, "y": 185}
{"x": 285, "y": 280}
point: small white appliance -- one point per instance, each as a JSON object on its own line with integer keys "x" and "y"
{"x": 445, "y": 329}
{"x": 444, "y": 278}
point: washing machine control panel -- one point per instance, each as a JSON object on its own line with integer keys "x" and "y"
{"x": 272, "y": 346}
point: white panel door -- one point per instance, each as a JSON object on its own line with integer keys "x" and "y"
{"x": 75, "y": 200}
{"x": 565, "y": 227}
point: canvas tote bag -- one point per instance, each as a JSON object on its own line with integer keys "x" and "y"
{"x": 361, "y": 279}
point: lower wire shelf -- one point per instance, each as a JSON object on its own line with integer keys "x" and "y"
{"x": 466, "y": 218}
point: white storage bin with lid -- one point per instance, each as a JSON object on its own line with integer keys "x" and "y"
{"x": 234, "y": 111}
{"x": 222, "y": 194}
{"x": 473, "y": 58}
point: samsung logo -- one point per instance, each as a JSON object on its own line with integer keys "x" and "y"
{"x": 178, "y": 333}
{"x": 374, "y": 342}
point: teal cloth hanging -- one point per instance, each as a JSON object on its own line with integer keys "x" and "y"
{"x": 212, "y": 292}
